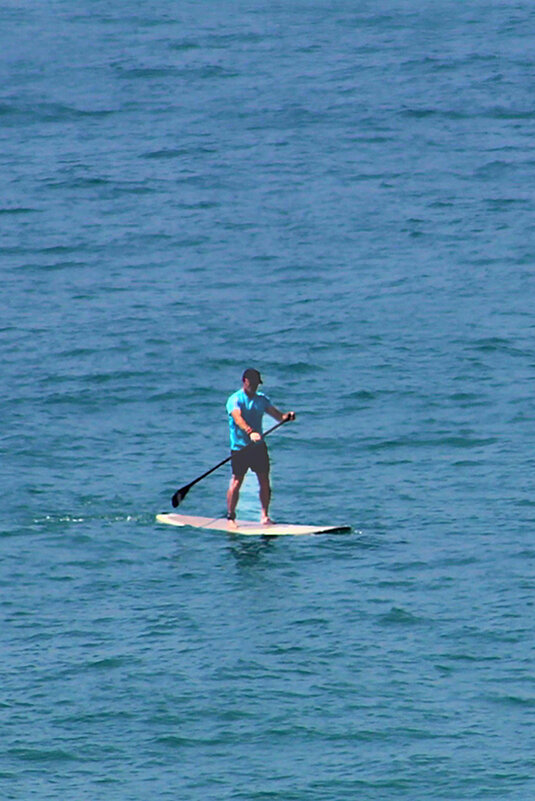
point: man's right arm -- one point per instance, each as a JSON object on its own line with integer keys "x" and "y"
{"x": 244, "y": 425}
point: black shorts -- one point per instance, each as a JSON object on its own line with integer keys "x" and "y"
{"x": 254, "y": 457}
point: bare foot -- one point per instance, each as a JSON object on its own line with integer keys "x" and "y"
{"x": 231, "y": 522}
{"x": 266, "y": 521}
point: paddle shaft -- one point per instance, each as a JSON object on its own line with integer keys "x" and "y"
{"x": 181, "y": 493}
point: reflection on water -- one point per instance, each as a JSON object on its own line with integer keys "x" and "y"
{"x": 249, "y": 551}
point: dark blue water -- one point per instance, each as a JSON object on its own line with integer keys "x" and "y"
{"x": 342, "y": 196}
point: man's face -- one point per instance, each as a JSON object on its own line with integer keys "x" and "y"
{"x": 250, "y": 385}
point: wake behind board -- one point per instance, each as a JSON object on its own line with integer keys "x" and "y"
{"x": 247, "y": 527}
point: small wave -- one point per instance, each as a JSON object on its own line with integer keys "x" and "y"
{"x": 453, "y": 441}
{"x": 165, "y": 153}
{"x": 18, "y": 210}
{"x": 50, "y": 112}
{"x": 398, "y": 616}
{"x": 513, "y": 700}
{"x": 42, "y": 754}
{"x": 184, "y": 46}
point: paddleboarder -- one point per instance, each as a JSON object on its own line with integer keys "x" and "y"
{"x": 248, "y": 449}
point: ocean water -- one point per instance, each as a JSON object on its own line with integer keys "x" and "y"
{"x": 340, "y": 194}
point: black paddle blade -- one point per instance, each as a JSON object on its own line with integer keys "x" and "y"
{"x": 179, "y": 496}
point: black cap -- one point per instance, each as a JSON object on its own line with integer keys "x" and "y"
{"x": 253, "y": 374}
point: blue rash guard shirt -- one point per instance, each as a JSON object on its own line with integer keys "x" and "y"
{"x": 252, "y": 410}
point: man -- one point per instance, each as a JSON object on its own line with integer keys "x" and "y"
{"x": 248, "y": 450}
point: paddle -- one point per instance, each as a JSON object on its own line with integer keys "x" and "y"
{"x": 181, "y": 493}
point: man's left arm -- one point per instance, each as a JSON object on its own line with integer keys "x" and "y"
{"x": 279, "y": 416}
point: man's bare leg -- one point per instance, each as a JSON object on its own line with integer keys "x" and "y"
{"x": 265, "y": 497}
{"x": 233, "y": 495}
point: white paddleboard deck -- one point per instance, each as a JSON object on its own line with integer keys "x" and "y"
{"x": 246, "y": 526}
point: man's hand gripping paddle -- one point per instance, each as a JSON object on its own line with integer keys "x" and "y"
{"x": 181, "y": 493}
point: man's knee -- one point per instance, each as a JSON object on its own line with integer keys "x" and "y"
{"x": 236, "y": 482}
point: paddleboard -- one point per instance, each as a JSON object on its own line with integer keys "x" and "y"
{"x": 247, "y": 527}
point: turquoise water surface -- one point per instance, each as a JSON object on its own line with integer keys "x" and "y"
{"x": 340, "y": 194}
